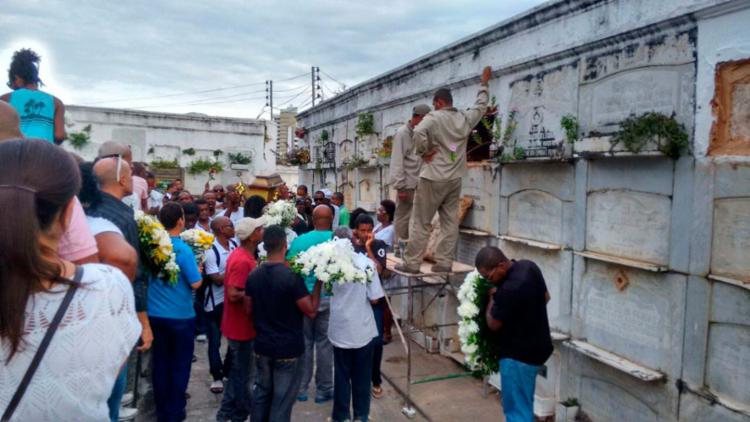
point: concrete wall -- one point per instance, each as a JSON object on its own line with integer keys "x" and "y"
{"x": 170, "y": 134}
{"x": 646, "y": 258}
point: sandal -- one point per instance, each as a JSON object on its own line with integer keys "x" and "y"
{"x": 377, "y": 391}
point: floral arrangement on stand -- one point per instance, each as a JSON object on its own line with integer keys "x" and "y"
{"x": 298, "y": 156}
{"x": 199, "y": 241}
{"x": 332, "y": 263}
{"x": 480, "y": 353}
{"x": 281, "y": 213}
{"x": 157, "y": 248}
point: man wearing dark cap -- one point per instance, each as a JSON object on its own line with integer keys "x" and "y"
{"x": 440, "y": 139}
{"x": 405, "y": 166}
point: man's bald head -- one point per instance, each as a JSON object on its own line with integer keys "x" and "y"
{"x": 111, "y": 148}
{"x": 322, "y": 217}
{"x": 219, "y": 222}
{"x": 10, "y": 125}
{"x": 106, "y": 173}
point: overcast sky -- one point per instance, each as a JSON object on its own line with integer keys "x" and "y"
{"x": 124, "y": 53}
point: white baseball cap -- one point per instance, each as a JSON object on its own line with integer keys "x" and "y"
{"x": 244, "y": 227}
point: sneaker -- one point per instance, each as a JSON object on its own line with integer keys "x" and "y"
{"x": 201, "y": 338}
{"x": 437, "y": 268}
{"x": 406, "y": 269}
{"x": 217, "y": 387}
{"x": 128, "y": 413}
{"x": 323, "y": 398}
{"x": 127, "y": 399}
{"x": 302, "y": 397}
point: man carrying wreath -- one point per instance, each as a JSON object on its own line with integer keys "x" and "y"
{"x": 517, "y": 310}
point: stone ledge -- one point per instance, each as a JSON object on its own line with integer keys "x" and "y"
{"x": 612, "y": 360}
{"x": 627, "y": 262}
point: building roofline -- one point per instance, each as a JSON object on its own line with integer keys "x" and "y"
{"x": 177, "y": 116}
{"x": 531, "y": 18}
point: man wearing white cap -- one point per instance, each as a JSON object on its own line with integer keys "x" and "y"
{"x": 237, "y": 323}
{"x": 405, "y": 166}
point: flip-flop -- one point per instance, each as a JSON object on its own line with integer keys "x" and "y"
{"x": 377, "y": 392}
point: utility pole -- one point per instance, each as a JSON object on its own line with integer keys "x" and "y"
{"x": 269, "y": 96}
{"x": 315, "y": 81}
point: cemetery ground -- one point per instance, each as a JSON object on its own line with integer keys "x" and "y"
{"x": 449, "y": 399}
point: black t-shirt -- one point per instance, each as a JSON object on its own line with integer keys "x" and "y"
{"x": 521, "y": 307}
{"x": 275, "y": 289}
{"x": 379, "y": 248}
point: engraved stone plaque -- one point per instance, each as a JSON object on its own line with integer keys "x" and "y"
{"x": 730, "y": 249}
{"x": 537, "y": 215}
{"x": 629, "y": 224}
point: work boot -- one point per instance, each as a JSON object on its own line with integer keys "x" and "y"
{"x": 437, "y": 268}
{"x": 406, "y": 269}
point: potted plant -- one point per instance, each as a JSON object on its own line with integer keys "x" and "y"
{"x": 189, "y": 151}
{"x": 78, "y": 140}
{"x": 202, "y": 165}
{"x": 298, "y": 156}
{"x": 567, "y": 410}
{"x": 239, "y": 161}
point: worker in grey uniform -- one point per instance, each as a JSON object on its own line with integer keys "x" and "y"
{"x": 405, "y": 166}
{"x": 440, "y": 139}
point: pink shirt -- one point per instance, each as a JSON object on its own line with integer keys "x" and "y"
{"x": 77, "y": 242}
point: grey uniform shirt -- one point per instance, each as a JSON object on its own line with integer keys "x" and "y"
{"x": 405, "y": 163}
{"x": 352, "y": 323}
{"x": 448, "y": 130}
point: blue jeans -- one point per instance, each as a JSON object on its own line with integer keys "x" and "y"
{"x": 213, "y": 331}
{"x": 276, "y": 388}
{"x": 518, "y": 381}
{"x": 317, "y": 343}
{"x": 238, "y": 396}
{"x": 352, "y": 373}
{"x": 113, "y": 402}
{"x": 377, "y": 350}
{"x": 171, "y": 359}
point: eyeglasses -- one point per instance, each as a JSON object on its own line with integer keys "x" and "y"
{"x": 119, "y": 163}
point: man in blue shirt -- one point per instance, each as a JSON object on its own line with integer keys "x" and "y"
{"x": 172, "y": 317}
{"x": 316, "y": 329}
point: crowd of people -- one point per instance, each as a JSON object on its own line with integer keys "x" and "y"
{"x": 72, "y": 266}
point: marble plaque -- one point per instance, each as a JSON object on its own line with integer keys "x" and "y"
{"x": 664, "y": 89}
{"x": 542, "y": 100}
{"x": 606, "y": 401}
{"x": 629, "y": 224}
{"x": 537, "y": 215}
{"x": 728, "y": 361}
{"x": 730, "y": 249}
{"x": 640, "y": 323}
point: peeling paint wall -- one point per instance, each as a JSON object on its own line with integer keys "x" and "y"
{"x": 646, "y": 257}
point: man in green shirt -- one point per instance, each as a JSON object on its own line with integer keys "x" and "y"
{"x": 316, "y": 329}
{"x": 338, "y": 200}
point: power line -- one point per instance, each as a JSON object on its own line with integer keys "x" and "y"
{"x": 334, "y": 79}
{"x": 192, "y": 92}
{"x": 198, "y": 103}
{"x": 295, "y": 97}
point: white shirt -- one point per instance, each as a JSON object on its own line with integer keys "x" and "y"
{"x": 155, "y": 199}
{"x": 99, "y": 225}
{"x": 335, "y": 223}
{"x": 352, "y": 323}
{"x": 213, "y": 267}
{"x": 76, "y": 374}
{"x": 384, "y": 234}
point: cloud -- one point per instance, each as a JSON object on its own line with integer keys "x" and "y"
{"x": 97, "y": 52}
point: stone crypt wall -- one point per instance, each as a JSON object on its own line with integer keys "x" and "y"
{"x": 647, "y": 258}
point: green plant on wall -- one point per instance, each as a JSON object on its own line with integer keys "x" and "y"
{"x": 150, "y": 150}
{"x": 365, "y": 124}
{"x": 239, "y": 158}
{"x": 189, "y": 151}
{"x": 636, "y": 132}
{"x": 80, "y": 139}
{"x": 324, "y": 136}
{"x": 160, "y": 163}
{"x": 203, "y": 165}
{"x": 218, "y": 153}
{"x": 354, "y": 162}
{"x": 569, "y": 123}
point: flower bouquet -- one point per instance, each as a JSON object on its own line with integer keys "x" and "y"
{"x": 481, "y": 354}
{"x": 281, "y": 213}
{"x": 331, "y": 262}
{"x": 156, "y": 248}
{"x": 199, "y": 241}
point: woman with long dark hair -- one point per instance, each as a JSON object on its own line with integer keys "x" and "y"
{"x": 78, "y": 323}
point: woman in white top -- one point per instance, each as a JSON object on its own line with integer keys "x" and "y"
{"x": 384, "y": 230}
{"x": 98, "y": 328}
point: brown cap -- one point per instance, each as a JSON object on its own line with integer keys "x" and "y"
{"x": 420, "y": 110}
